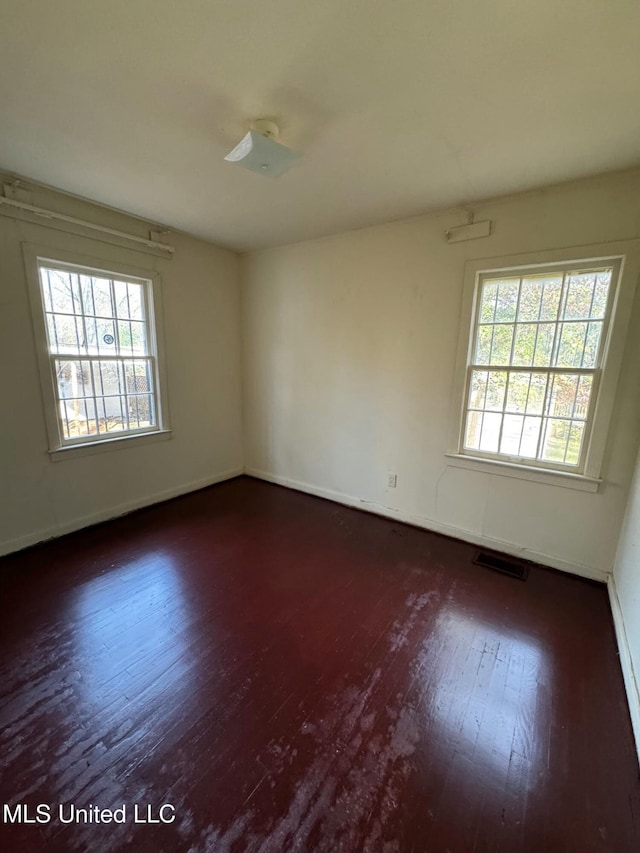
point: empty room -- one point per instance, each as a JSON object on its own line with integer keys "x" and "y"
{"x": 320, "y": 426}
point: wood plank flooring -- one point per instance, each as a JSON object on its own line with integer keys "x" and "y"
{"x": 292, "y": 675}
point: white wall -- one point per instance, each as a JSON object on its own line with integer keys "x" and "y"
{"x": 40, "y": 498}
{"x": 625, "y": 600}
{"x": 349, "y": 347}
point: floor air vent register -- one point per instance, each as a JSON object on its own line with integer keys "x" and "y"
{"x": 500, "y": 563}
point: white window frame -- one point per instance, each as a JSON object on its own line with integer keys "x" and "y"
{"x": 625, "y": 259}
{"x": 59, "y": 447}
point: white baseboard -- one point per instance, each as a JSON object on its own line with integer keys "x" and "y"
{"x": 113, "y": 512}
{"x": 626, "y": 661}
{"x": 435, "y": 526}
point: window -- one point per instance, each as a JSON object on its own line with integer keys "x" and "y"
{"x": 539, "y": 365}
{"x": 101, "y": 354}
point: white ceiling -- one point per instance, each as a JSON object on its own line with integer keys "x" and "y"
{"x": 397, "y": 106}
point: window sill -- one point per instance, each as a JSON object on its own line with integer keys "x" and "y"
{"x": 106, "y": 445}
{"x": 523, "y": 472}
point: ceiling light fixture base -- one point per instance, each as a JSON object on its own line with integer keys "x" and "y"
{"x": 266, "y": 127}
{"x": 259, "y": 151}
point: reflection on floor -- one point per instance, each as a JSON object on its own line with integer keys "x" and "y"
{"x": 290, "y": 674}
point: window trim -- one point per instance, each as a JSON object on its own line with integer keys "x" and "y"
{"x": 624, "y": 253}
{"x": 59, "y": 449}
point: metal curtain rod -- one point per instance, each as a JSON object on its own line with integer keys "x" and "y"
{"x": 50, "y": 214}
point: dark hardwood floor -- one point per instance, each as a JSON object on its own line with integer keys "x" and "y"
{"x": 290, "y": 674}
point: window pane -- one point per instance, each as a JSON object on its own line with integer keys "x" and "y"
{"x": 601, "y": 295}
{"x": 62, "y": 291}
{"x": 74, "y": 378}
{"x": 525, "y": 344}
{"x": 45, "y": 289}
{"x": 138, "y": 338}
{"x": 108, "y": 378}
{"x": 580, "y": 290}
{"x": 592, "y": 345}
{"x": 78, "y": 417}
{"x": 124, "y": 337}
{"x": 121, "y": 298}
{"x": 526, "y": 393}
{"x": 490, "y": 433}
{"x": 66, "y": 334}
{"x": 488, "y": 301}
{"x": 511, "y": 434}
{"x": 507, "y": 300}
{"x": 572, "y": 344}
{"x": 520, "y": 436}
{"x": 530, "y": 297}
{"x": 104, "y": 336}
{"x": 483, "y": 344}
{"x": 129, "y": 300}
{"x": 576, "y": 434}
{"x": 132, "y": 337}
{"x": 518, "y": 392}
{"x": 550, "y": 303}
{"x": 86, "y": 295}
{"x": 530, "y": 435}
{"x": 85, "y": 378}
{"x": 478, "y": 389}
{"x": 140, "y": 411}
{"x": 496, "y": 388}
{"x": 544, "y": 344}
{"x": 473, "y": 429}
{"x": 52, "y": 333}
{"x": 562, "y": 396}
{"x": 501, "y": 348}
{"x": 556, "y": 437}
{"x": 113, "y": 414}
{"x": 583, "y": 397}
{"x": 101, "y": 415}
{"x": 137, "y": 376}
{"x": 136, "y": 301}
{"x": 102, "y": 297}
{"x": 74, "y": 283}
{"x": 537, "y": 393}
{"x": 563, "y": 441}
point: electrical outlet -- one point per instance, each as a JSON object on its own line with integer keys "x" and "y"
{"x": 392, "y": 481}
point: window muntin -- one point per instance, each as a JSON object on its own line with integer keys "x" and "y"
{"x": 100, "y": 345}
{"x": 535, "y": 364}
